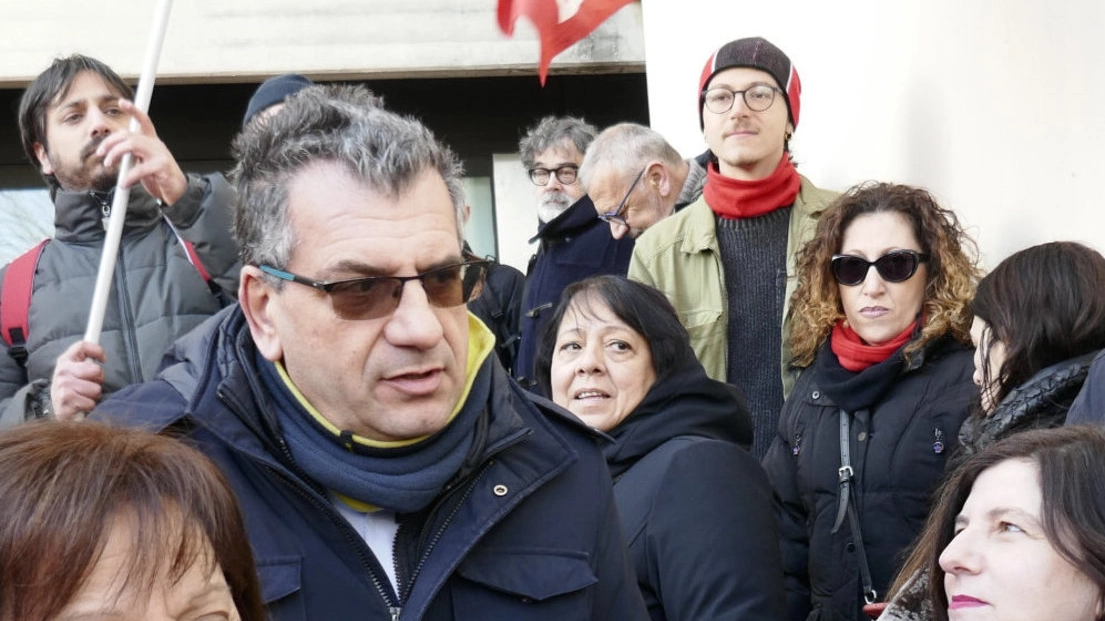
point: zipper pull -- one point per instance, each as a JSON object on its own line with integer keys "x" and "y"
{"x": 105, "y": 209}
{"x": 395, "y": 612}
{"x": 796, "y": 445}
{"x": 938, "y": 441}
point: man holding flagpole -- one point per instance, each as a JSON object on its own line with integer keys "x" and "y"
{"x": 176, "y": 256}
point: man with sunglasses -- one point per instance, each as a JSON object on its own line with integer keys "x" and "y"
{"x": 572, "y": 242}
{"x": 635, "y": 178}
{"x": 387, "y": 465}
{"x": 726, "y": 260}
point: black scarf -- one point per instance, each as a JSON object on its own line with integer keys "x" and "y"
{"x": 856, "y": 391}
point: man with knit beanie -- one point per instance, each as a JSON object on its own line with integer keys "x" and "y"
{"x": 726, "y": 260}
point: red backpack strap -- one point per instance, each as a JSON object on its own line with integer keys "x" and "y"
{"x": 15, "y": 301}
{"x": 194, "y": 258}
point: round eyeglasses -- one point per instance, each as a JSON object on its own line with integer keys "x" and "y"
{"x": 897, "y": 266}
{"x": 758, "y": 98}
{"x": 566, "y": 174}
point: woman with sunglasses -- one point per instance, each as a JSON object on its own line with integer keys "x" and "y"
{"x": 881, "y": 329}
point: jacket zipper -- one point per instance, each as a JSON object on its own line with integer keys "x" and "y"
{"x": 126, "y": 312}
{"x": 354, "y": 540}
{"x": 432, "y": 543}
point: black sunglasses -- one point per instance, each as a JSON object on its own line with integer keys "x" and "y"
{"x": 897, "y": 266}
{"x": 372, "y": 297}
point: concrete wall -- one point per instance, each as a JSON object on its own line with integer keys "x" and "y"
{"x": 994, "y": 106}
{"x": 220, "y": 40}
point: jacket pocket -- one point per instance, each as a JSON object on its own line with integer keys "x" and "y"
{"x": 280, "y": 578}
{"x": 524, "y": 584}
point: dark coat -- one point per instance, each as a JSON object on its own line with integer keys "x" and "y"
{"x": 1040, "y": 403}
{"x": 499, "y": 307}
{"x": 695, "y": 507}
{"x": 572, "y": 246}
{"x": 1089, "y": 406}
{"x": 898, "y": 452}
{"x": 531, "y": 533}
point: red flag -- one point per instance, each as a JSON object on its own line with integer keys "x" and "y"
{"x": 557, "y": 32}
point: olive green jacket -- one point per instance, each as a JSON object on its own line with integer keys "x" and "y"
{"x": 680, "y": 256}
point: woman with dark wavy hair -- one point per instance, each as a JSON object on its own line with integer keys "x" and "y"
{"x": 99, "y": 522}
{"x": 881, "y": 328}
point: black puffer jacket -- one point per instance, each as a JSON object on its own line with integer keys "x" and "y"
{"x": 1040, "y": 403}
{"x": 696, "y": 513}
{"x": 899, "y": 447}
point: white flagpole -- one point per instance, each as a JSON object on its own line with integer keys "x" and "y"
{"x": 122, "y": 195}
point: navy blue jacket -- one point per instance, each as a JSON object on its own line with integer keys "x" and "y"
{"x": 573, "y": 246}
{"x": 899, "y": 450}
{"x": 531, "y": 533}
{"x": 1089, "y": 406}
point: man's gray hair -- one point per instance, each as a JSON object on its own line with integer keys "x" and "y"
{"x": 624, "y": 149}
{"x": 343, "y": 124}
{"x": 551, "y": 131}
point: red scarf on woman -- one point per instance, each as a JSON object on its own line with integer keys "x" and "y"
{"x": 734, "y": 198}
{"x": 855, "y": 355}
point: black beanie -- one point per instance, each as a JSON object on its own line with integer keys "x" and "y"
{"x": 273, "y": 91}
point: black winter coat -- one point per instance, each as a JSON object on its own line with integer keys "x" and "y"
{"x": 1040, "y": 403}
{"x": 572, "y": 246}
{"x": 898, "y": 452}
{"x": 499, "y": 307}
{"x": 696, "y": 509}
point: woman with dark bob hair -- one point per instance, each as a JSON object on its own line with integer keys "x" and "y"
{"x": 1039, "y": 322}
{"x": 1016, "y": 533}
{"x": 695, "y": 507}
{"x": 881, "y": 329}
{"x": 105, "y": 522}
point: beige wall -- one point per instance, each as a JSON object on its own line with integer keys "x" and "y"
{"x": 228, "y": 40}
{"x": 994, "y": 106}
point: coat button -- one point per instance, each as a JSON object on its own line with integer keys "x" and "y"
{"x": 816, "y": 394}
{"x": 851, "y": 547}
{"x": 499, "y": 490}
{"x": 861, "y": 436}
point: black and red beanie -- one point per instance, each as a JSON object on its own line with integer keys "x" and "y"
{"x": 757, "y": 53}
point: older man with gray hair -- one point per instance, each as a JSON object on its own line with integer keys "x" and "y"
{"x": 635, "y": 178}
{"x": 572, "y": 242}
{"x": 387, "y": 466}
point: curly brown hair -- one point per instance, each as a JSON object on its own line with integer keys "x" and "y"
{"x": 953, "y": 269}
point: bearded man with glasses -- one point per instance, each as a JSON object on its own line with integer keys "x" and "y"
{"x": 726, "y": 261}
{"x": 387, "y": 465}
{"x": 572, "y": 242}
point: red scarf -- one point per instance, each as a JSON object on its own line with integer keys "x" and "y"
{"x": 734, "y": 198}
{"x": 855, "y": 355}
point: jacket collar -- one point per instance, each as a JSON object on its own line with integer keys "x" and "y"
{"x": 78, "y": 216}
{"x": 575, "y": 219}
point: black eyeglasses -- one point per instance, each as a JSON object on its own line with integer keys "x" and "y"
{"x": 897, "y": 266}
{"x": 758, "y": 98}
{"x": 615, "y": 217}
{"x": 566, "y": 174}
{"x": 372, "y": 297}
